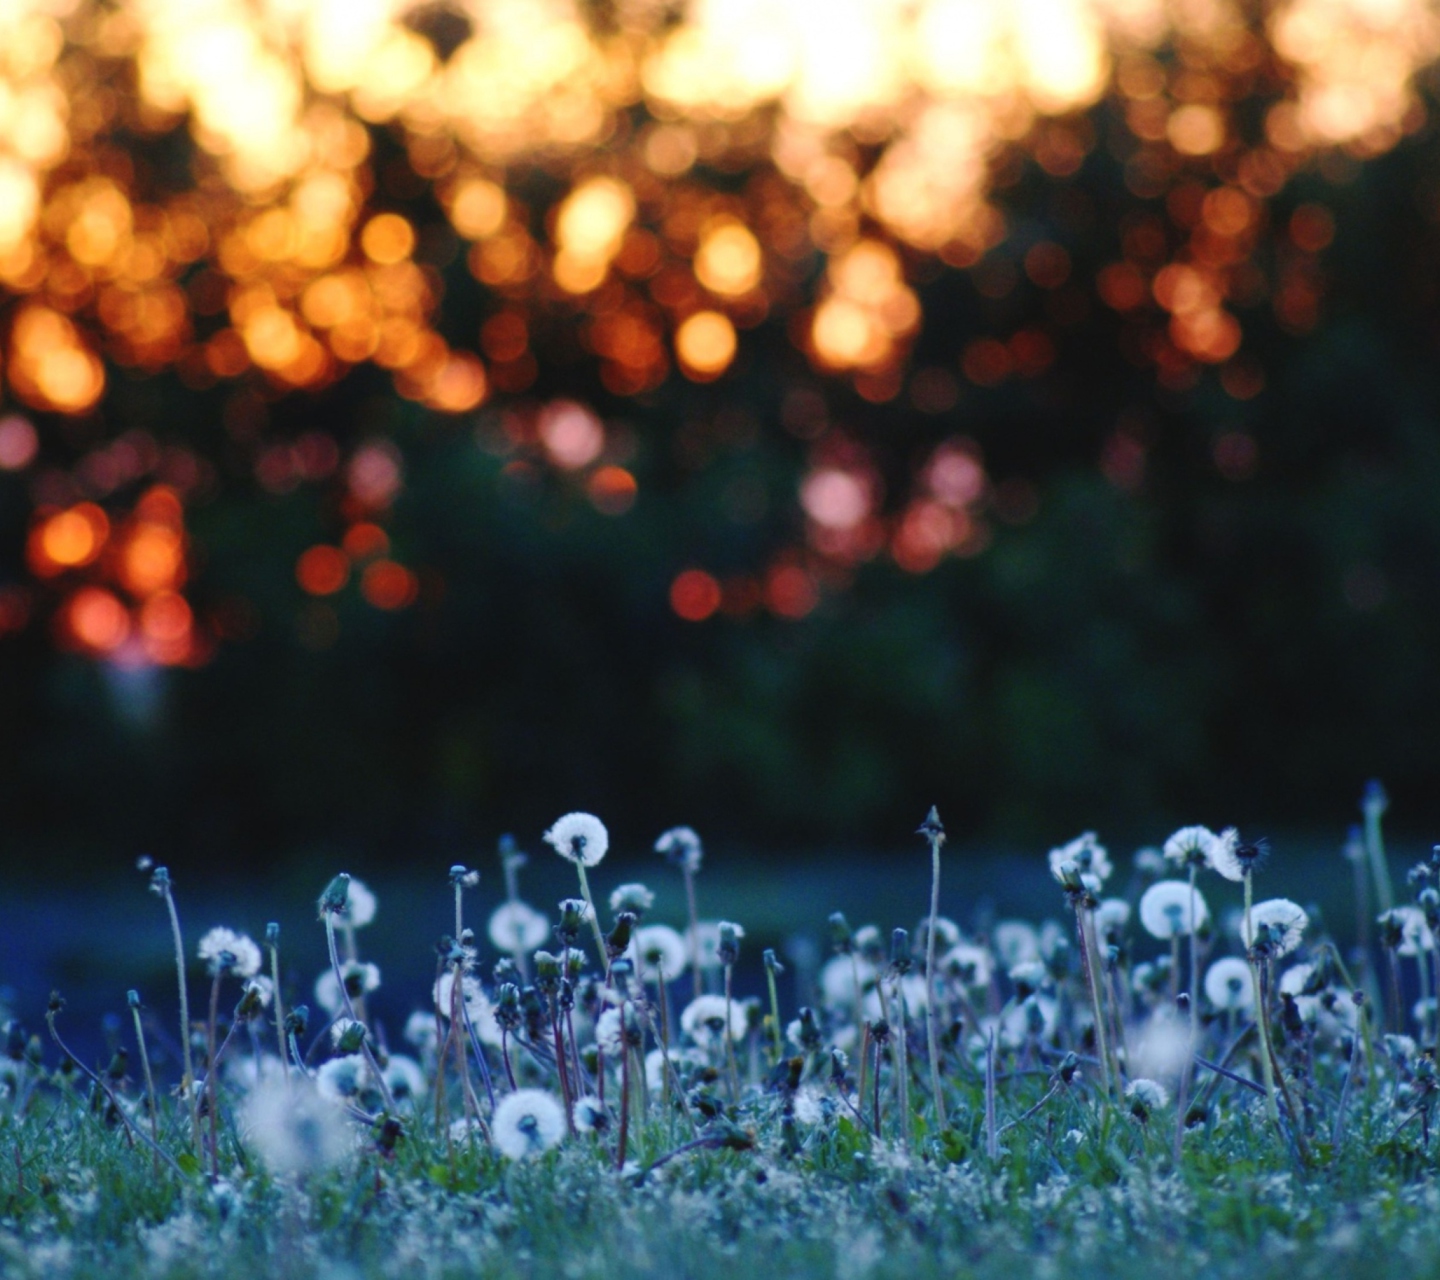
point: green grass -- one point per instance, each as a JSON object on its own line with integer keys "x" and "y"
{"x": 783, "y": 1173}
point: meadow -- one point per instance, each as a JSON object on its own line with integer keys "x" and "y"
{"x": 593, "y": 1091}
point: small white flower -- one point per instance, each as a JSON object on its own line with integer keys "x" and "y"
{"x": 1222, "y": 855}
{"x": 1416, "y": 936}
{"x": 405, "y": 1078}
{"x": 1165, "y": 909}
{"x": 235, "y": 951}
{"x": 704, "y": 1020}
{"x": 837, "y": 981}
{"x": 580, "y": 838}
{"x": 631, "y": 897}
{"x": 1190, "y": 847}
{"x": 477, "y": 1005}
{"x": 293, "y": 1128}
{"x": 1285, "y": 920}
{"x": 420, "y": 1030}
{"x": 1111, "y": 916}
{"x": 361, "y": 977}
{"x": 682, "y": 846}
{"x": 968, "y": 964}
{"x": 809, "y": 1107}
{"x": 947, "y": 934}
{"x": 590, "y": 1115}
{"x": 607, "y": 1033}
{"x": 517, "y": 926}
{"x": 527, "y": 1123}
{"x": 704, "y": 939}
{"x": 1149, "y": 1094}
{"x": 655, "y": 1065}
{"x": 360, "y": 904}
{"x": 661, "y": 950}
{"x": 1228, "y": 984}
{"x": 1088, "y": 855}
{"x": 341, "y": 1078}
{"x": 1014, "y": 941}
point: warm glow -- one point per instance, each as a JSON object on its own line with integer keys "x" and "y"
{"x": 70, "y": 538}
{"x": 694, "y": 595}
{"x": 322, "y": 570}
{"x": 97, "y": 620}
{"x": 387, "y": 585}
{"x": 705, "y": 344}
{"x": 613, "y": 490}
{"x": 571, "y": 434}
{"x": 728, "y": 261}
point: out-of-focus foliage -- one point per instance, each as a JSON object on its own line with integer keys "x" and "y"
{"x": 1041, "y": 420}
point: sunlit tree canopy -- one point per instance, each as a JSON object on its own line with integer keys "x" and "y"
{"x": 254, "y": 198}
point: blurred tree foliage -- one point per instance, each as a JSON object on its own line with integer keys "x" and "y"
{"x": 1218, "y": 610}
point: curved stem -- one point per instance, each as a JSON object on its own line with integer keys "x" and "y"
{"x": 932, "y": 1039}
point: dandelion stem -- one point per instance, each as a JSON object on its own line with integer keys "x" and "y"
{"x": 210, "y": 1082}
{"x": 380, "y": 1082}
{"x": 1088, "y": 961}
{"x": 694, "y": 926}
{"x": 1188, "y": 1066}
{"x": 624, "y": 1098}
{"x": 279, "y": 1007}
{"x": 110, "y": 1097}
{"x": 932, "y": 1039}
{"x": 776, "y": 1034}
{"x": 594, "y": 919}
{"x": 188, "y": 1083}
{"x": 149, "y": 1078}
{"x": 1020, "y": 1119}
{"x": 902, "y": 1064}
{"x": 1375, "y": 849}
{"x": 730, "y": 1041}
{"x": 992, "y": 1138}
{"x": 1262, "y": 1015}
{"x": 1338, "y": 1133}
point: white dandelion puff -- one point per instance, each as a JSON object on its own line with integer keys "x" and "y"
{"x": 517, "y": 926}
{"x": 1284, "y": 923}
{"x": 360, "y": 904}
{"x": 223, "y": 948}
{"x": 1166, "y": 909}
{"x": 590, "y": 1115}
{"x": 631, "y": 897}
{"x": 968, "y": 964}
{"x": 704, "y": 1020}
{"x": 1088, "y": 856}
{"x": 1228, "y": 985}
{"x": 1146, "y": 1095}
{"x": 1190, "y": 847}
{"x": 528, "y": 1123}
{"x": 580, "y": 838}
{"x": 293, "y": 1128}
{"x": 341, "y": 1079}
{"x": 361, "y": 978}
{"x": 1014, "y": 941}
{"x": 682, "y": 847}
{"x": 1223, "y": 856}
{"x": 661, "y": 950}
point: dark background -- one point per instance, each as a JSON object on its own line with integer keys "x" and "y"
{"x": 1169, "y": 638}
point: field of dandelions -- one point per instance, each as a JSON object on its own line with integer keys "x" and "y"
{"x": 1173, "y": 1070}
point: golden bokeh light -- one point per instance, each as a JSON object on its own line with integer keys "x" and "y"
{"x": 648, "y": 185}
{"x": 705, "y": 344}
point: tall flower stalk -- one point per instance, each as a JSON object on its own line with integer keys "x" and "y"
{"x": 161, "y": 886}
{"x": 934, "y": 832}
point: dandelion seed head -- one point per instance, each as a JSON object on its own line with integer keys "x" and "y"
{"x": 590, "y": 1115}
{"x": 293, "y": 1128}
{"x": 1088, "y": 856}
{"x": 361, "y": 978}
{"x": 420, "y": 1030}
{"x": 405, "y": 1078}
{"x": 1171, "y": 908}
{"x": 635, "y": 898}
{"x": 1283, "y": 921}
{"x": 1014, "y": 941}
{"x": 1111, "y": 917}
{"x": 360, "y": 905}
{"x": 969, "y": 964}
{"x": 1224, "y": 856}
{"x": 580, "y": 838}
{"x": 224, "y": 949}
{"x": 528, "y": 1123}
{"x": 661, "y": 950}
{"x": 342, "y": 1078}
{"x": 517, "y": 926}
{"x": 1146, "y": 1096}
{"x": 1228, "y": 984}
{"x": 809, "y": 1106}
{"x": 705, "y": 1020}
{"x": 681, "y": 846}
